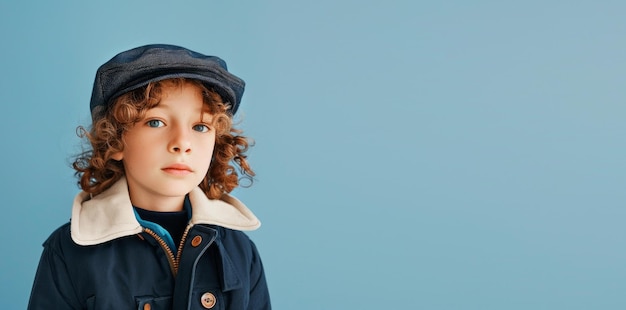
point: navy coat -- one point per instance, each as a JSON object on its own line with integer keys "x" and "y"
{"x": 104, "y": 259}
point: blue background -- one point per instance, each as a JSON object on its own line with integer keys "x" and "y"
{"x": 410, "y": 154}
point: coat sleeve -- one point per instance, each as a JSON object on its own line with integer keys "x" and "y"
{"x": 52, "y": 288}
{"x": 259, "y": 293}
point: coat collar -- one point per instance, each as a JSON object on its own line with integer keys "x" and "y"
{"x": 110, "y": 215}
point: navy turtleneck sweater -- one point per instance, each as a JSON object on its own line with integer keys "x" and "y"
{"x": 174, "y": 222}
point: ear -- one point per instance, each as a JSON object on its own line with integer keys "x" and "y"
{"x": 118, "y": 156}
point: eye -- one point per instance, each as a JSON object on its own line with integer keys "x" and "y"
{"x": 201, "y": 128}
{"x": 154, "y": 123}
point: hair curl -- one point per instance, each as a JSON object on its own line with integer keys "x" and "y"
{"x": 97, "y": 170}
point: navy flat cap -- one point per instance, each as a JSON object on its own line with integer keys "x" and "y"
{"x": 137, "y": 67}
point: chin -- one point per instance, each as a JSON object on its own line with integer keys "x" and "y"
{"x": 177, "y": 190}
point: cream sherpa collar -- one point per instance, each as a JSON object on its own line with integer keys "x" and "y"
{"x": 110, "y": 214}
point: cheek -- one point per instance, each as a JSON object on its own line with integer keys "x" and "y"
{"x": 143, "y": 139}
{"x": 141, "y": 151}
{"x": 209, "y": 152}
{"x": 206, "y": 148}
{"x": 210, "y": 145}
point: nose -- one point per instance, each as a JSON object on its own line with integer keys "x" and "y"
{"x": 180, "y": 141}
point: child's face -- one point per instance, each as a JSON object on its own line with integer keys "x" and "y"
{"x": 168, "y": 153}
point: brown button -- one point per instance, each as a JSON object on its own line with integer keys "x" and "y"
{"x": 208, "y": 300}
{"x": 196, "y": 241}
{"x": 147, "y": 307}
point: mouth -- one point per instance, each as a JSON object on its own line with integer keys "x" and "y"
{"x": 177, "y": 169}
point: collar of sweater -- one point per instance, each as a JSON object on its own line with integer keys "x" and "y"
{"x": 110, "y": 214}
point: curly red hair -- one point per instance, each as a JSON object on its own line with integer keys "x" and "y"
{"x": 97, "y": 170}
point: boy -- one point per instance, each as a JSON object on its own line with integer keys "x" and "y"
{"x": 154, "y": 227}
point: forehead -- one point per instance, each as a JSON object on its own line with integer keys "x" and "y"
{"x": 182, "y": 96}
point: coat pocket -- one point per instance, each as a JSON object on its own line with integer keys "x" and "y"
{"x": 154, "y": 303}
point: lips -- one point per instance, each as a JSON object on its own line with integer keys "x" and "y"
{"x": 178, "y": 169}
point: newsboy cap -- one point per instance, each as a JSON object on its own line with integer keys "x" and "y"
{"x": 139, "y": 66}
